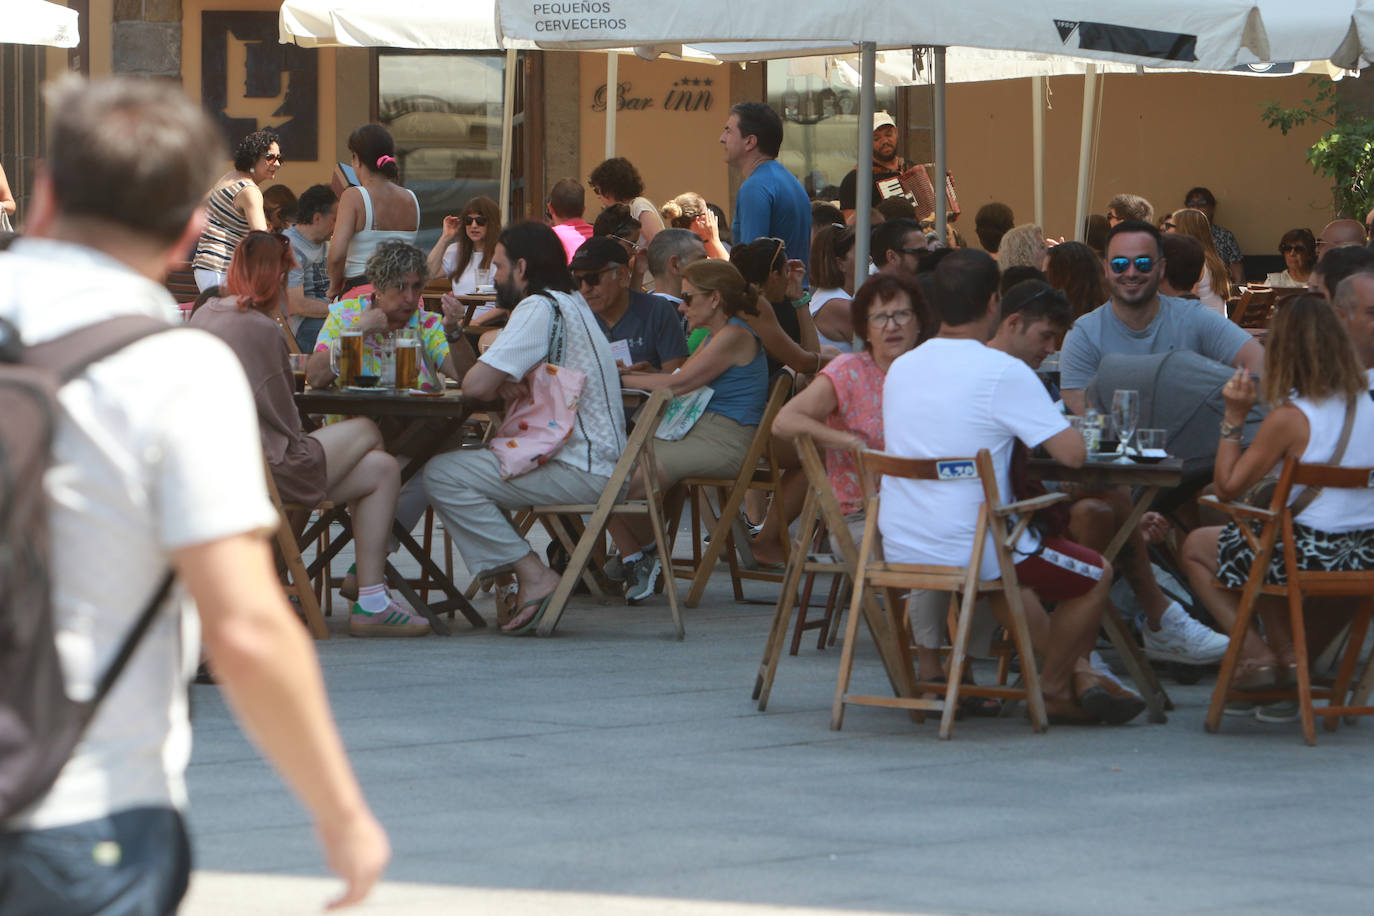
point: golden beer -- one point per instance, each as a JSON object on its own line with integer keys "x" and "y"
{"x": 350, "y": 357}
{"x": 407, "y": 364}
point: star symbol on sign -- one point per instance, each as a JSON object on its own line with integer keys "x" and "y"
{"x": 706, "y": 82}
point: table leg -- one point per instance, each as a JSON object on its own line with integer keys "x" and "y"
{"x": 1137, "y": 665}
{"x": 428, "y": 567}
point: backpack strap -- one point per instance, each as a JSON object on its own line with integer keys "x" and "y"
{"x": 71, "y": 354}
{"x": 126, "y": 649}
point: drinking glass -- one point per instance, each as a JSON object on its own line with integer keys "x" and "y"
{"x": 1150, "y": 443}
{"x": 1125, "y": 415}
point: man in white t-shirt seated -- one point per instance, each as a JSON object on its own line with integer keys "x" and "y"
{"x": 951, "y": 397}
{"x": 1138, "y": 320}
{"x": 308, "y": 282}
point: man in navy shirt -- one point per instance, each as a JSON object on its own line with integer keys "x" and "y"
{"x": 649, "y": 325}
{"x": 771, "y": 202}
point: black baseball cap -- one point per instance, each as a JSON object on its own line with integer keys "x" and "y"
{"x": 597, "y": 252}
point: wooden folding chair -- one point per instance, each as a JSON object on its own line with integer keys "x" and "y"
{"x": 1277, "y": 521}
{"x": 897, "y": 578}
{"x": 1254, "y": 308}
{"x": 822, "y": 505}
{"x": 299, "y": 579}
{"x": 753, "y": 475}
{"x": 638, "y": 450}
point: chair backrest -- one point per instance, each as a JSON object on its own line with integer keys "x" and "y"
{"x": 641, "y": 437}
{"x": 874, "y": 464}
{"x": 1254, "y": 308}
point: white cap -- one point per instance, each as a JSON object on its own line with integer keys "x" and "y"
{"x": 881, "y": 119}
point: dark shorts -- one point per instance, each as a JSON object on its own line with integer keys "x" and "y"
{"x": 1061, "y": 570}
{"x": 133, "y": 863}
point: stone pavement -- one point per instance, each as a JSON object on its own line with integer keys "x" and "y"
{"x": 611, "y": 769}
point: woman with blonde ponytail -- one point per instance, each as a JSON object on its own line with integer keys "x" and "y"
{"x": 731, "y": 362}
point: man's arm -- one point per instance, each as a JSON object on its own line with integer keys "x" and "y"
{"x": 297, "y": 303}
{"x": 1074, "y": 399}
{"x": 271, "y": 678}
{"x": 1067, "y": 448}
{"x": 1251, "y": 357}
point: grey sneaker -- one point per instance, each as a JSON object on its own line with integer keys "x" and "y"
{"x": 1180, "y": 638}
{"x": 614, "y": 568}
{"x": 1278, "y": 711}
{"x": 641, "y": 577}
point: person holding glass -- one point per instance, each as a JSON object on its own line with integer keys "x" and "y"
{"x": 463, "y": 254}
{"x": 343, "y": 462}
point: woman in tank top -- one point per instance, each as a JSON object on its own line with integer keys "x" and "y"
{"x": 234, "y": 207}
{"x": 378, "y": 211}
{"x": 1312, "y": 376}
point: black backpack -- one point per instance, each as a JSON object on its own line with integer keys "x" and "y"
{"x": 39, "y": 724}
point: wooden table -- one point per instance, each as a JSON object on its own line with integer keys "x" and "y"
{"x": 1103, "y": 473}
{"x": 419, "y": 442}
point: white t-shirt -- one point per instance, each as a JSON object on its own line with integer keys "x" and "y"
{"x": 949, "y": 399}
{"x": 157, "y": 448}
{"x": 472, "y": 276}
{"x": 595, "y": 445}
{"x": 819, "y": 298}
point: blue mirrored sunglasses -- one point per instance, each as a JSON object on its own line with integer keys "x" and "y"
{"x": 1142, "y": 264}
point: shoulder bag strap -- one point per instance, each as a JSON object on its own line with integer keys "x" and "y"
{"x": 1306, "y": 497}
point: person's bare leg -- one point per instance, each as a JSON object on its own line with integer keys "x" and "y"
{"x": 786, "y": 506}
{"x": 1073, "y": 632}
{"x": 537, "y": 582}
{"x": 369, "y": 480}
{"x": 630, "y": 537}
{"x": 1200, "y": 566}
{"x": 1093, "y": 523}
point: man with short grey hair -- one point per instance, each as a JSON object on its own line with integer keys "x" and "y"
{"x": 1354, "y": 303}
{"x": 156, "y": 468}
{"x": 669, "y": 254}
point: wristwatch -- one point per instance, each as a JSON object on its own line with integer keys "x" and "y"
{"x": 1231, "y": 431}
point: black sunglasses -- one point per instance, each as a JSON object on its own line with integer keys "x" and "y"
{"x": 272, "y": 157}
{"x": 1197, "y": 203}
{"x": 474, "y": 219}
{"x": 1284, "y": 249}
{"x": 592, "y": 277}
{"x": 1144, "y": 264}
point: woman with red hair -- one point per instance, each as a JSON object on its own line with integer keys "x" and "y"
{"x": 342, "y": 462}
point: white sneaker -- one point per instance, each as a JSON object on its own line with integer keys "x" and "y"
{"x": 1180, "y": 638}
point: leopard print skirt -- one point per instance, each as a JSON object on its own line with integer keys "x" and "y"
{"x": 1317, "y": 550}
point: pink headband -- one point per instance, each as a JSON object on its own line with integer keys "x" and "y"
{"x": 383, "y": 160}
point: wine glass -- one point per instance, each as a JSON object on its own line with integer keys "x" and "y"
{"x": 1125, "y": 415}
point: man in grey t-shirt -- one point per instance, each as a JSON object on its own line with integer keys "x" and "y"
{"x": 1138, "y": 320}
{"x": 308, "y": 282}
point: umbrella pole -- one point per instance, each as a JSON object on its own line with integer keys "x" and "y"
{"x": 941, "y": 158}
{"x": 863, "y": 179}
{"x": 612, "y": 99}
{"x": 1085, "y": 145}
{"x": 1038, "y": 146}
{"x": 507, "y": 137}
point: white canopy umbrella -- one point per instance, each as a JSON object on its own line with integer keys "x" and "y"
{"x": 37, "y": 22}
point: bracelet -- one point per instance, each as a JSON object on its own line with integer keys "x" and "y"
{"x": 804, "y": 299}
{"x": 1232, "y": 431}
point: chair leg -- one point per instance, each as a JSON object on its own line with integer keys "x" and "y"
{"x": 654, "y": 504}
{"x": 1340, "y": 690}
{"x": 427, "y": 544}
{"x": 1245, "y": 613}
{"x": 1360, "y": 695}
{"x": 777, "y": 633}
{"x": 300, "y": 582}
{"x": 954, "y": 672}
{"x": 1309, "y": 727}
{"x": 851, "y": 634}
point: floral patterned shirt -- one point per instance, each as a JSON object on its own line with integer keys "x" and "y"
{"x": 346, "y": 312}
{"x": 858, "y": 386}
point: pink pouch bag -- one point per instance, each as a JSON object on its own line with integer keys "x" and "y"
{"x": 535, "y": 429}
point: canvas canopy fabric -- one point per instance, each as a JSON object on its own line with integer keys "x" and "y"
{"x": 37, "y": 22}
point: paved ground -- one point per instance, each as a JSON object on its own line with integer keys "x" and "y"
{"x": 611, "y": 769}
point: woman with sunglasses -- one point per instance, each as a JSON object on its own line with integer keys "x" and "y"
{"x": 617, "y": 181}
{"x": 468, "y": 263}
{"x": 234, "y": 207}
{"x": 1215, "y": 284}
{"x": 1299, "y": 250}
{"x": 376, "y": 211}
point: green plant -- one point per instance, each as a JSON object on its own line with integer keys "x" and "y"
{"x": 1345, "y": 153}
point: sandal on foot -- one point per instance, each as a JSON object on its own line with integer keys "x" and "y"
{"x": 524, "y": 629}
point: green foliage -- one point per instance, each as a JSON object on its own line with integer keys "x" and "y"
{"x": 1345, "y": 153}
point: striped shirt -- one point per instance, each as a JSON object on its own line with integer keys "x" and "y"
{"x": 225, "y": 227}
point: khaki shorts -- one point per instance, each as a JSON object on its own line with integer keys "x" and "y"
{"x": 714, "y": 447}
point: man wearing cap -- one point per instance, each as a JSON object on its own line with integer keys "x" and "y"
{"x": 887, "y": 166}
{"x": 648, "y": 325}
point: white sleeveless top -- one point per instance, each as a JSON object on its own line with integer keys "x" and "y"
{"x": 366, "y": 240}
{"x": 1335, "y": 511}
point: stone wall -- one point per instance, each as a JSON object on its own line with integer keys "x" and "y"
{"x": 146, "y": 39}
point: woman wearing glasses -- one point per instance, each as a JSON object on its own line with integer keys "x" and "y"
{"x": 467, "y": 263}
{"x": 1299, "y": 250}
{"x": 376, "y": 211}
{"x": 234, "y": 207}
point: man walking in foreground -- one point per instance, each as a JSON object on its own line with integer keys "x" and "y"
{"x": 157, "y": 465}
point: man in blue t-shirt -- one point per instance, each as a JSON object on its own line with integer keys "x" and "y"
{"x": 771, "y": 202}
{"x": 1138, "y": 320}
{"x": 648, "y": 325}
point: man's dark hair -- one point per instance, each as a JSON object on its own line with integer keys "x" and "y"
{"x": 1095, "y": 229}
{"x": 991, "y": 222}
{"x": 375, "y": 149}
{"x": 136, "y": 153}
{"x": 757, "y": 259}
{"x": 567, "y": 200}
{"x": 722, "y": 224}
{"x": 318, "y": 198}
{"x": 760, "y": 121}
{"x": 888, "y": 236}
{"x": 824, "y": 214}
{"x": 615, "y": 220}
{"x": 252, "y": 148}
{"x": 546, "y": 260}
{"x": 1183, "y": 260}
{"x": 1019, "y": 273}
{"x": 895, "y": 208}
{"x": 1036, "y": 300}
{"x": 1338, "y": 263}
{"x": 618, "y": 179}
{"x": 1202, "y": 192}
{"x": 965, "y": 283}
{"x": 926, "y": 263}
{"x": 1134, "y": 225}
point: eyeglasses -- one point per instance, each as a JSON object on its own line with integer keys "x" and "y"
{"x": 1300, "y": 249}
{"x": 474, "y": 219}
{"x": 915, "y": 251}
{"x": 1197, "y": 203}
{"x": 1170, "y": 226}
{"x": 687, "y": 297}
{"x": 592, "y": 277}
{"x": 634, "y": 246}
{"x": 596, "y": 190}
{"x": 273, "y": 157}
{"x": 899, "y": 318}
{"x": 1144, "y": 264}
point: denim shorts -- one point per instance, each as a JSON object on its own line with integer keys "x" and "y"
{"x": 133, "y": 863}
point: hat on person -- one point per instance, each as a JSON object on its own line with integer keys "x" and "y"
{"x": 882, "y": 119}
{"x": 597, "y": 252}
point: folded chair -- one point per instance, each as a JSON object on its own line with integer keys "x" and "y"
{"x": 639, "y": 449}
{"x": 299, "y": 580}
{"x": 1275, "y": 522}
{"x": 895, "y": 579}
{"x": 758, "y": 471}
